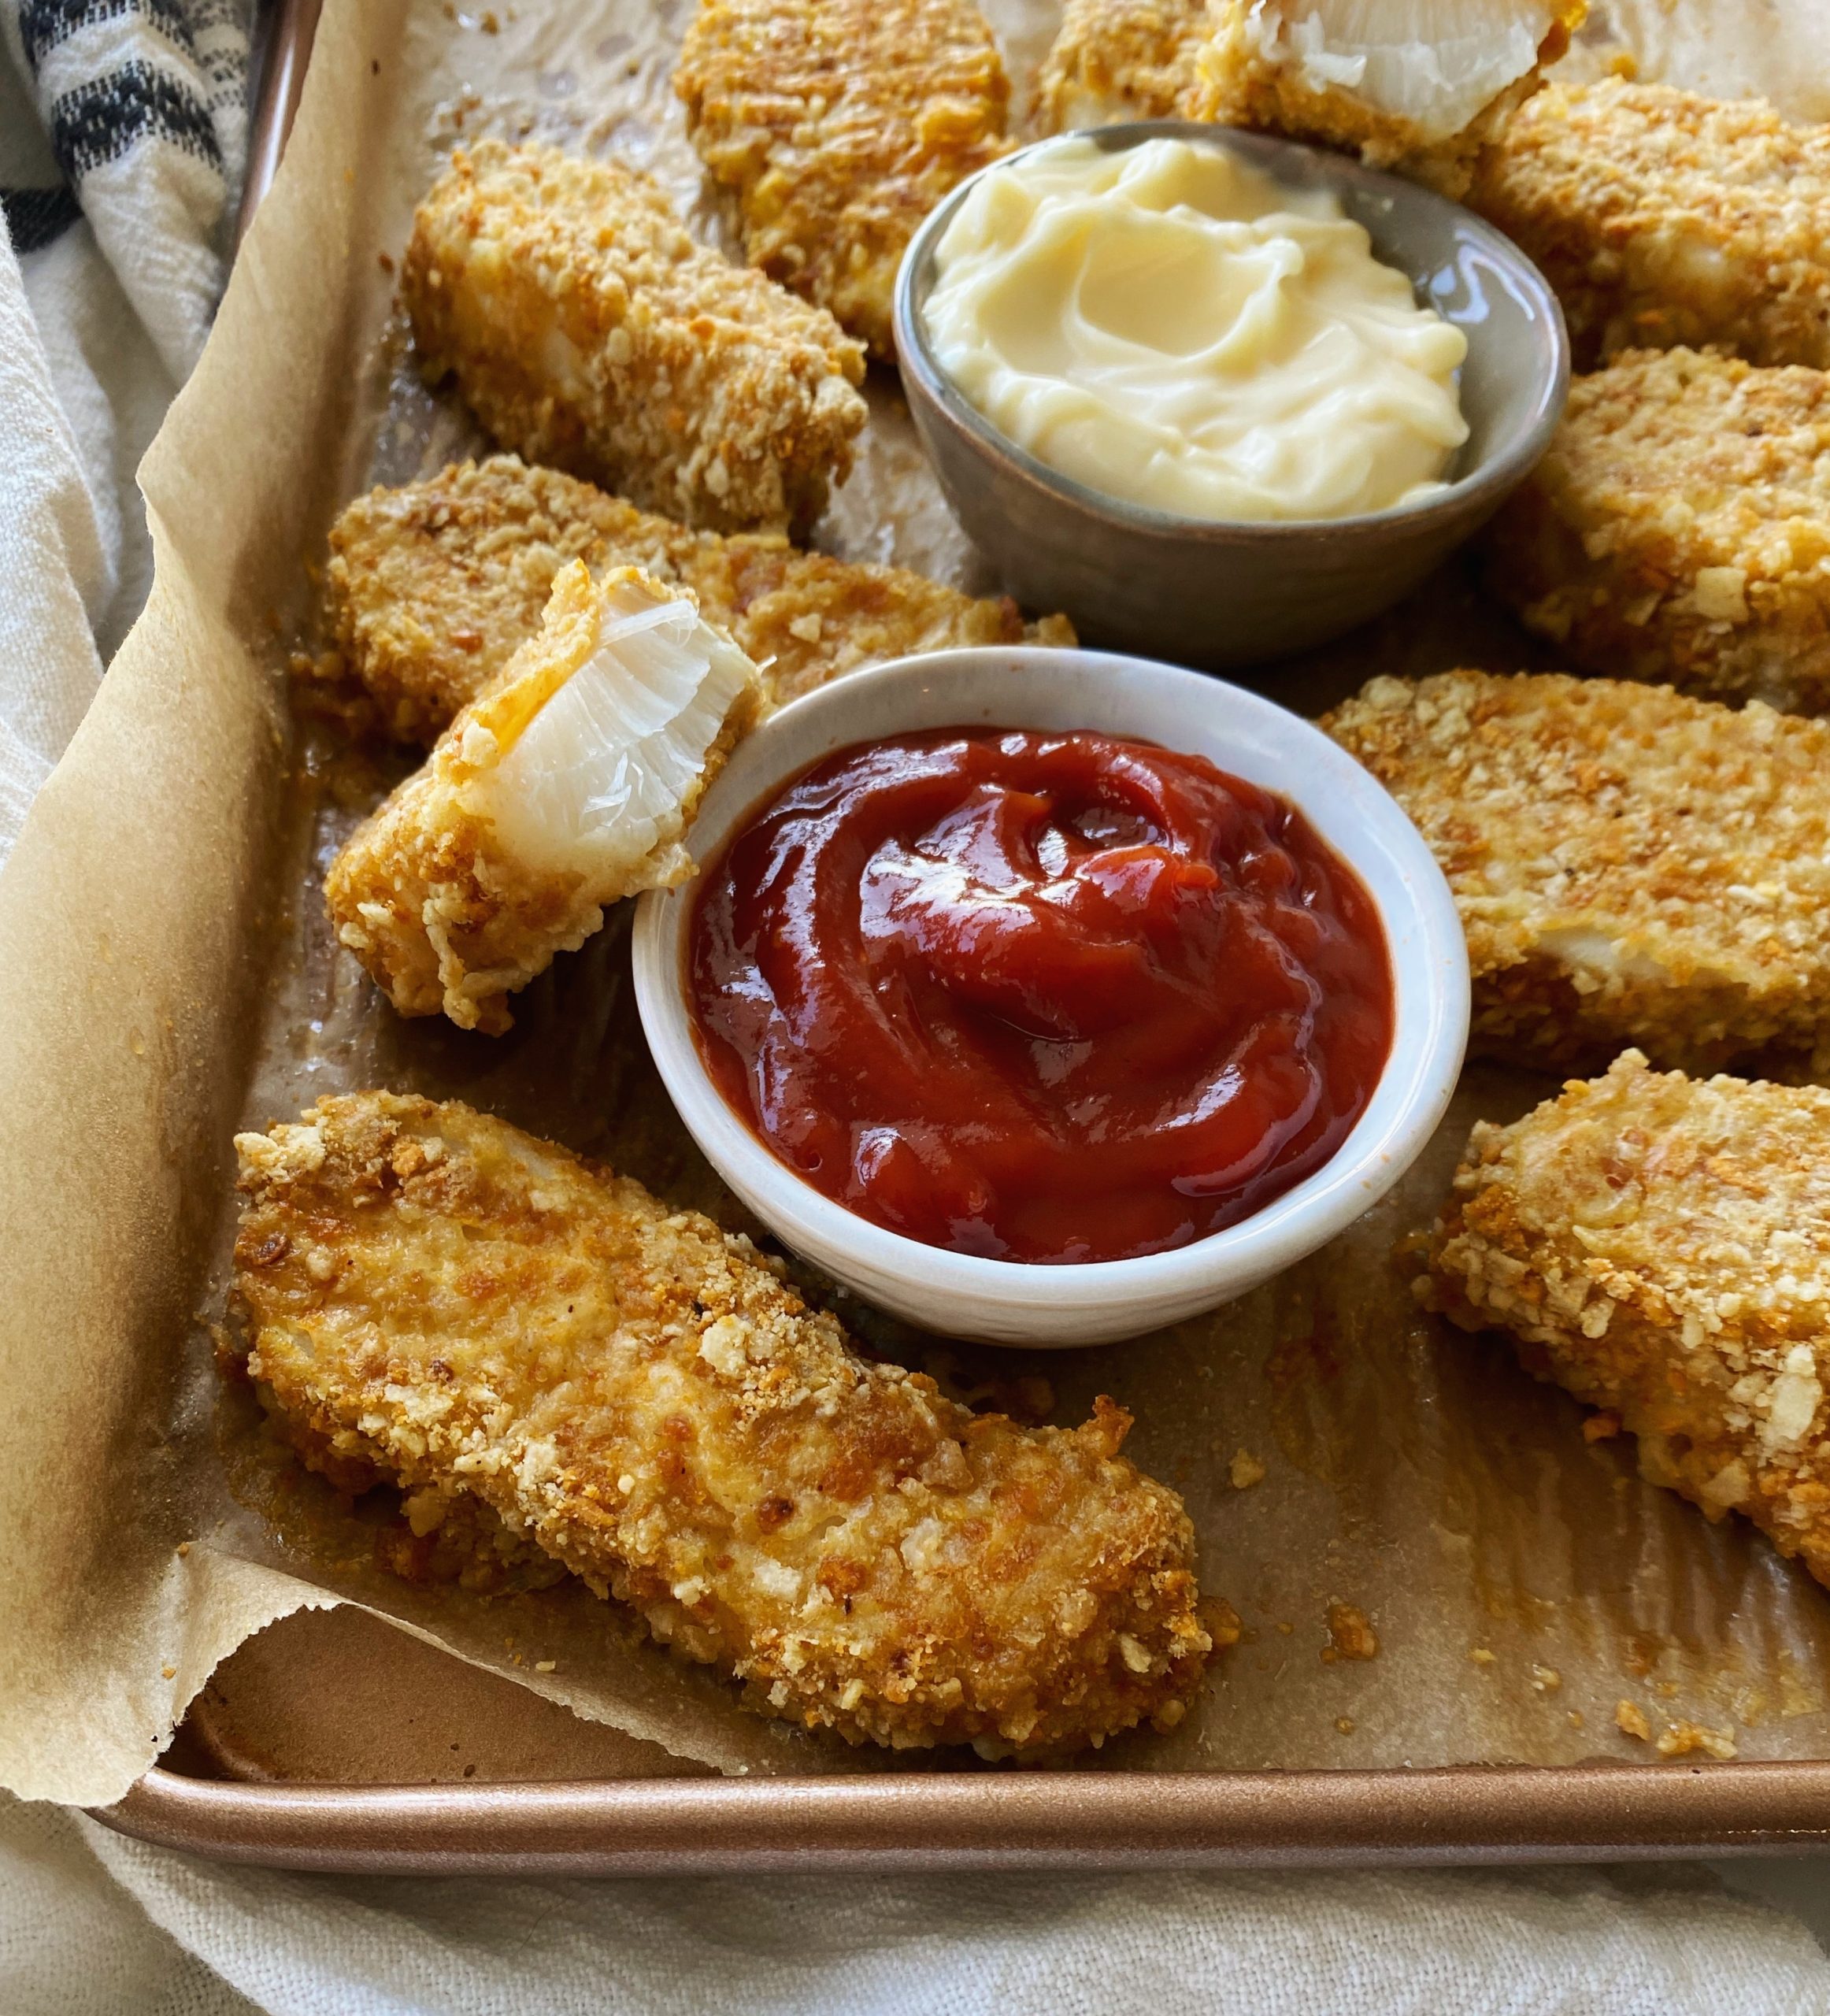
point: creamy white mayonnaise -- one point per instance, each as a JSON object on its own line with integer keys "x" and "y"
{"x": 1170, "y": 326}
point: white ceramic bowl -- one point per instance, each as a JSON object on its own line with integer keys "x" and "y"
{"x": 1005, "y": 1302}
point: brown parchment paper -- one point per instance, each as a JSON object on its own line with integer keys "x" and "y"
{"x": 165, "y": 976}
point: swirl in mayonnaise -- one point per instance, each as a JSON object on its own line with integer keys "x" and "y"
{"x": 1168, "y": 325}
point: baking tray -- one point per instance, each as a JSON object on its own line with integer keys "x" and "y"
{"x": 334, "y": 1741}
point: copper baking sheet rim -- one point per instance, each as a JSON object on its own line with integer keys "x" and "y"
{"x": 1113, "y": 1819}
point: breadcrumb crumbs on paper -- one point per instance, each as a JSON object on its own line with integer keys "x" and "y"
{"x": 1576, "y": 1720}
{"x": 1630, "y": 1720}
{"x": 1630, "y": 866}
{"x": 509, "y": 1324}
{"x": 546, "y": 1665}
{"x": 1660, "y": 1246}
{"x": 1678, "y": 529}
{"x": 1345, "y": 1725}
{"x": 1245, "y": 1470}
{"x": 1683, "y": 1739}
{"x": 1481, "y": 1656}
{"x": 586, "y": 328}
{"x": 1546, "y": 1680}
{"x": 168, "y": 1672}
{"x": 1224, "y": 1626}
{"x": 1351, "y": 1634}
{"x": 1661, "y": 217}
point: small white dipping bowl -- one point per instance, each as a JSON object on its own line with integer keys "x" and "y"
{"x": 1005, "y": 1301}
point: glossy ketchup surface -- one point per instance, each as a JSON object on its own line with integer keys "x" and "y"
{"x": 1039, "y": 996}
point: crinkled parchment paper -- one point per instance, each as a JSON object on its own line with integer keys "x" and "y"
{"x": 166, "y": 975}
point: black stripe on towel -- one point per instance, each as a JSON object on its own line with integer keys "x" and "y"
{"x": 98, "y": 122}
{"x": 36, "y": 216}
{"x": 43, "y": 24}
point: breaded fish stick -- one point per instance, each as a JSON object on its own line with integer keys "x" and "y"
{"x": 1630, "y": 866}
{"x": 1120, "y": 60}
{"x": 1663, "y": 218}
{"x": 1660, "y": 1247}
{"x": 838, "y": 125}
{"x": 474, "y": 1312}
{"x": 1335, "y": 72}
{"x": 432, "y": 586}
{"x": 1680, "y": 528}
{"x": 565, "y": 785}
{"x": 585, "y": 328}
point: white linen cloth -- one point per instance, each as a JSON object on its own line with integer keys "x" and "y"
{"x": 91, "y": 1925}
{"x": 119, "y": 144}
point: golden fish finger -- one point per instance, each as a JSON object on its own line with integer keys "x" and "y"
{"x": 475, "y": 1315}
{"x": 1630, "y": 866}
{"x": 838, "y": 125}
{"x": 586, "y": 328}
{"x": 558, "y": 790}
{"x": 433, "y": 586}
{"x": 1679, "y": 528}
{"x": 1661, "y": 218}
{"x": 1120, "y": 60}
{"x": 1660, "y": 1247}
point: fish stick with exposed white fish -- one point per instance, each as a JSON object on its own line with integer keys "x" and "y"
{"x": 567, "y": 784}
{"x": 433, "y": 586}
{"x": 1421, "y": 86}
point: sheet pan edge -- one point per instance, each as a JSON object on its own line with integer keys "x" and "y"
{"x": 1113, "y": 1819}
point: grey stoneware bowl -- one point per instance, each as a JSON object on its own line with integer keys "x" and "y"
{"x": 1221, "y": 593}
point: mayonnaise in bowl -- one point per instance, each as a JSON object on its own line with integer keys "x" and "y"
{"x": 1168, "y": 325}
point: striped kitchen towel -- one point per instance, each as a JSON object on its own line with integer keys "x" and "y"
{"x": 121, "y": 147}
{"x": 143, "y": 102}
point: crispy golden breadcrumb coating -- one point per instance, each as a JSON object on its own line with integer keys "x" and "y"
{"x": 432, "y": 586}
{"x": 1662, "y": 218}
{"x": 1257, "y": 71}
{"x": 478, "y": 1314}
{"x": 1660, "y": 1247}
{"x": 1630, "y": 866}
{"x": 1118, "y": 59}
{"x": 1680, "y": 528}
{"x": 805, "y": 618}
{"x": 551, "y": 795}
{"x": 586, "y": 329}
{"x": 838, "y": 125}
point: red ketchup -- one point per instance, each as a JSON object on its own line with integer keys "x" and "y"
{"x": 1039, "y": 997}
